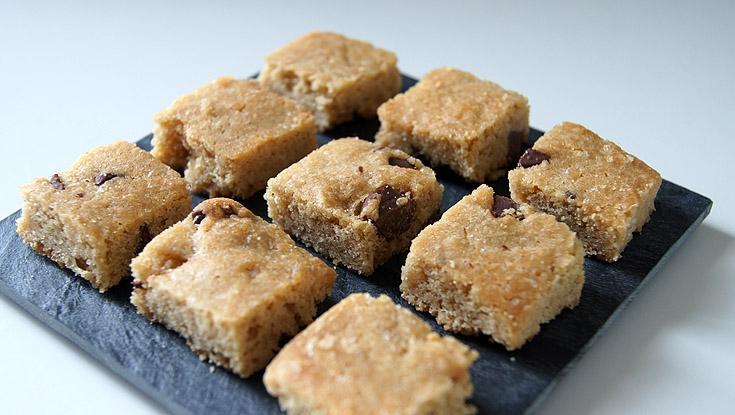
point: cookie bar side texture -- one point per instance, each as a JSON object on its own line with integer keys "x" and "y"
{"x": 452, "y": 118}
{"x": 100, "y": 213}
{"x": 230, "y": 136}
{"x": 231, "y": 284}
{"x": 497, "y": 276}
{"x": 591, "y": 184}
{"x": 353, "y": 245}
{"x": 242, "y": 176}
{"x": 333, "y": 200}
{"x": 368, "y": 355}
{"x": 333, "y": 76}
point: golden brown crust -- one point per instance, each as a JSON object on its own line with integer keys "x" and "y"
{"x": 453, "y": 118}
{"x": 370, "y": 356}
{"x": 230, "y": 283}
{"x": 232, "y": 136}
{"x": 598, "y": 189}
{"x": 97, "y": 215}
{"x": 499, "y": 276}
{"x": 322, "y": 201}
{"x": 335, "y": 77}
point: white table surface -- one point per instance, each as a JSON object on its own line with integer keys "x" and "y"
{"x": 657, "y": 78}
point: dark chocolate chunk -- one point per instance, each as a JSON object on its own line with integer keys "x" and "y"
{"x": 400, "y": 162}
{"x": 56, "y": 182}
{"x": 197, "y": 216}
{"x": 532, "y": 157}
{"x": 101, "y": 178}
{"x": 80, "y": 194}
{"x": 137, "y": 284}
{"x": 517, "y": 142}
{"x": 228, "y": 210}
{"x": 501, "y": 204}
{"x": 393, "y": 217}
{"x": 360, "y": 169}
{"x": 570, "y": 195}
{"x": 144, "y": 236}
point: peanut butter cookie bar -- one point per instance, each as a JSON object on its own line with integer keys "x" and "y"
{"x": 95, "y": 217}
{"x": 452, "y": 118}
{"x": 355, "y": 202}
{"x": 230, "y": 283}
{"x": 231, "y": 136}
{"x": 370, "y": 356}
{"x": 333, "y": 76}
{"x": 490, "y": 266}
{"x": 603, "y": 193}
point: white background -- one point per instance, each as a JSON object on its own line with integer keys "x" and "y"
{"x": 657, "y": 78}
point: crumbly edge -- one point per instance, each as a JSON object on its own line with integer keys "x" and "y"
{"x": 363, "y": 97}
{"x": 243, "y": 346}
{"x": 457, "y": 311}
{"x": 217, "y": 176}
{"x": 357, "y": 247}
{"x": 484, "y": 158}
{"x": 352, "y": 247}
{"x": 221, "y": 177}
{"x": 168, "y": 142}
{"x": 104, "y": 263}
{"x": 600, "y": 240}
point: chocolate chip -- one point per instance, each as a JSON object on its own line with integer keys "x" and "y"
{"x": 517, "y": 141}
{"x": 80, "y": 194}
{"x": 137, "y": 284}
{"x": 360, "y": 169}
{"x": 401, "y": 162}
{"x": 56, "y": 182}
{"x": 197, "y": 216}
{"x": 570, "y": 195}
{"x": 101, "y": 178}
{"x": 228, "y": 211}
{"x": 501, "y": 204}
{"x": 532, "y": 157}
{"x": 144, "y": 236}
{"x": 390, "y": 210}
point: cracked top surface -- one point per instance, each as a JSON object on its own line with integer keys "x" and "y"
{"x": 501, "y": 261}
{"x": 110, "y": 188}
{"x": 329, "y": 61}
{"x": 228, "y": 117}
{"x": 224, "y": 259}
{"x": 452, "y": 104}
{"x": 368, "y": 355}
{"x": 593, "y": 174}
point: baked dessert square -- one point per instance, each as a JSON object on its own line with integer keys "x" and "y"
{"x": 335, "y": 77}
{"x": 95, "y": 217}
{"x": 452, "y": 118}
{"x": 490, "y": 266}
{"x": 230, "y": 136}
{"x": 603, "y": 193}
{"x": 230, "y": 283}
{"x": 355, "y": 202}
{"x": 370, "y": 356}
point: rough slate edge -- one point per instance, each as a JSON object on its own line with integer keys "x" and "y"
{"x": 529, "y": 395}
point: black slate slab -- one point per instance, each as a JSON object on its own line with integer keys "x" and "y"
{"x": 159, "y": 363}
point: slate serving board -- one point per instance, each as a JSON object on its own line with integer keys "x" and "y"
{"x": 159, "y": 363}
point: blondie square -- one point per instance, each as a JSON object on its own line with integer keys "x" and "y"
{"x": 231, "y": 136}
{"x": 370, "y": 356}
{"x": 333, "y": 76}
{"x": 355, "y": 202}
{"x": 230, "y": 283}
{"x": 452, "y": 118}
{"x": 493, "y": 267}
{"x": 95, "y": 217}
{"x": 603, "y": 193}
